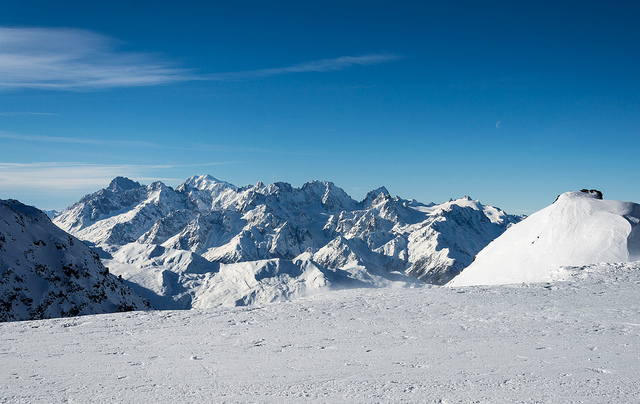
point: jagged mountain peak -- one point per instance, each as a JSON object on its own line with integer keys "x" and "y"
{"x": 464, "y": 201}
{"x": 120, "y": 184}
{"x": 159, "y": 186}
{"x": 460, "y": 203}
{"x": 331, "y": 196}
{"x": 278, "y": 188}
{"x": 494, "y": 214}
{"x": 205, "y": 182}
{"x": 320, "y": 187}
{"x": 259, "y": 185}
{"x": 374, "y": 195}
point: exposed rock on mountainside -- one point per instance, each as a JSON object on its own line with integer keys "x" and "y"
{"x": 317, "y": 222}
{"x": 46, "y": 273}
{"x": 579, "y": 228}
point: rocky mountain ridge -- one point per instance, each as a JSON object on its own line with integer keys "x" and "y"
{"x": 381, "y": 236}
{"x": 47, "y": 273}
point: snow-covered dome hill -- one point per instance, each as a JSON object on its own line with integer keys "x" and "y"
{"x": 579, "y": 228}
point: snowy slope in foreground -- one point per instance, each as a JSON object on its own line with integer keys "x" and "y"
{"x": 45, "y": 272}
{"x": 577, "y": 229}
{"x": 569, "y": 342}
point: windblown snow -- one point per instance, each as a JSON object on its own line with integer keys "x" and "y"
{"x": 210, "y": 243}
{"x": 577, "y": 229}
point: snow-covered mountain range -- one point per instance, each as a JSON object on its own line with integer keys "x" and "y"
{"x": 46, "y": 273}
{"x": 352, "y": 344}
{"x": 208, "y": 242}
{"x": 579, "y": 228}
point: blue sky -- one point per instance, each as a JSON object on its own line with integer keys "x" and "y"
{"x": 508, "y": 102}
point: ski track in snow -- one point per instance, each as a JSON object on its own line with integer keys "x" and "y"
{"x": 566, "y": 342}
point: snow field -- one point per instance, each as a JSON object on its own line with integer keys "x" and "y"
{"x": 568, "y": 342}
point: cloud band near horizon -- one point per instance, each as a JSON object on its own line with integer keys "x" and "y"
{"x": 59, "y": 176}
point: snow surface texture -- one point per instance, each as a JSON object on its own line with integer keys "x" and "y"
{"x": 209, "y": 243}
{"x": 567, "y": 342}
{"x": 577, "y": 229}
{"x": 45, "y": 272}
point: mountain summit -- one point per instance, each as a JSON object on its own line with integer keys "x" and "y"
{"x": 120, "y": 184}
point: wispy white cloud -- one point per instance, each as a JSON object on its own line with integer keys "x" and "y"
{"x": 145, "y": 144}
{"x": 57, "y": 139}
{"x": 244, "y": 149}
{"x": 323, "y": 65}
{"x": 75, "y": 59}
{"x": 48, "y": 176}
{"x": 27, "y": 113}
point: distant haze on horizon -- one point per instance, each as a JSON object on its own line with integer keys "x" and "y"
{"x": 507, "y": 102}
